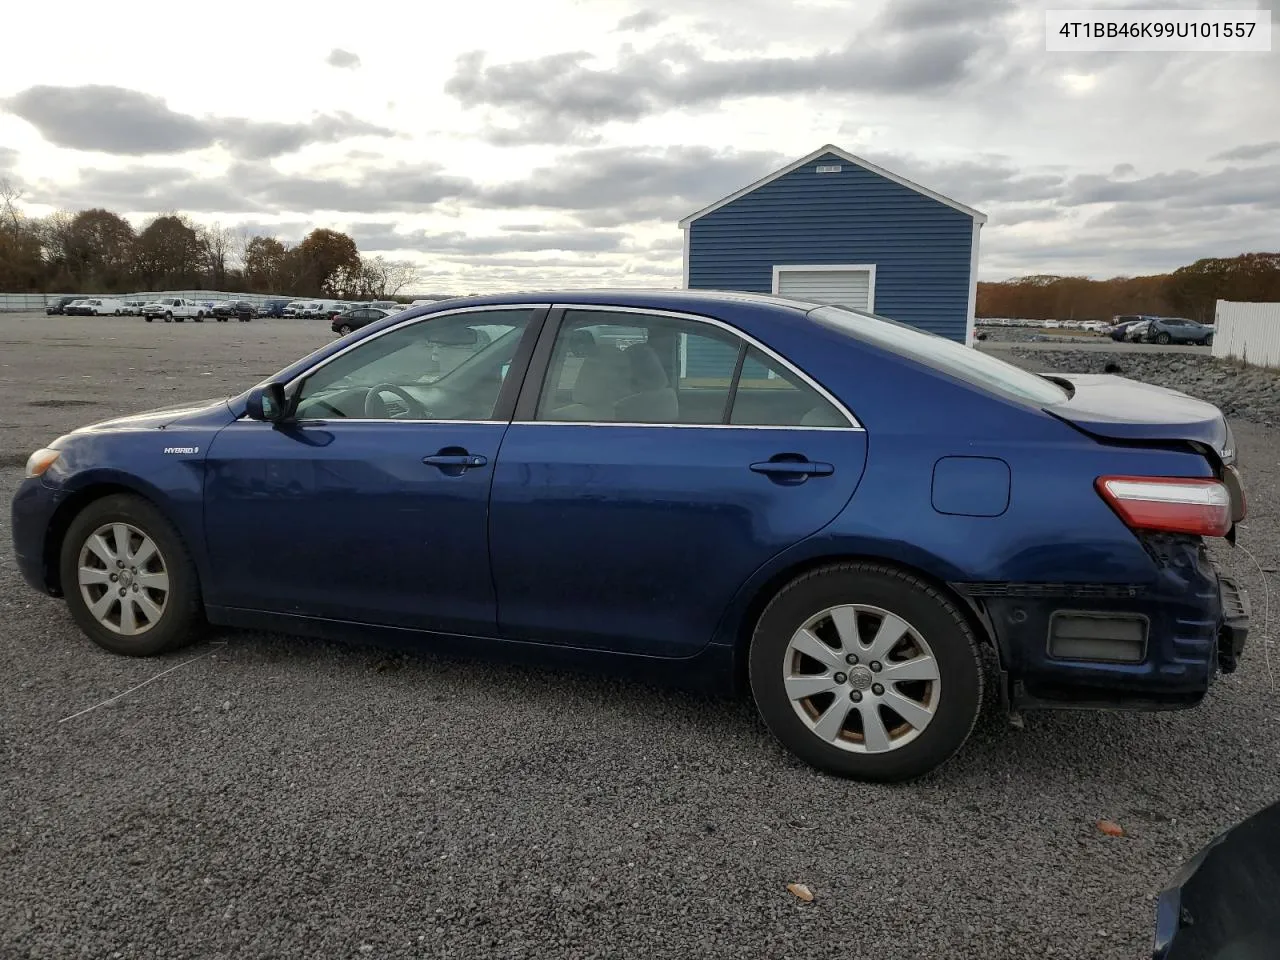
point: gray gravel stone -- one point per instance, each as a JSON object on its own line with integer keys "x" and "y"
{"x": 425, "y": 807}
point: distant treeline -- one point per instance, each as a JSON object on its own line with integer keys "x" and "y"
{"x": 1189, "y": 291}
{"x": 100, "y": 251}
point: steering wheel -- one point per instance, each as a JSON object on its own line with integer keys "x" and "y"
{"x": 375, "y": 407}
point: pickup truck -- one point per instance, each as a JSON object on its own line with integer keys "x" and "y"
{"x": 174, "y": 309}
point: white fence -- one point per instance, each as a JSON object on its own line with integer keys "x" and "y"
{"x": 36, "y": 302}
{"x": 1248, "y": 332}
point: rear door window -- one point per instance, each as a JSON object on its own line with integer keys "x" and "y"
{"x": 614, "y": 367}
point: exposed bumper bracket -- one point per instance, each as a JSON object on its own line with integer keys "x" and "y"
{"x": 1234, "y": 630}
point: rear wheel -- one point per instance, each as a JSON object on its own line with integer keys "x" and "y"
{"x": 866, "y": 671}
{"x": 168, "y": 317}
{"x": 1208, "y": 341}
{"x": 129, "y": 581}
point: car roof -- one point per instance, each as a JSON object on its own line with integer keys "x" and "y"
{"x": 655, "y": 299}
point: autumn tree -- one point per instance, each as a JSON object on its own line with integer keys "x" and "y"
{"x": 1252, "y": 277}
{"x": 169, "y": 252}
{"x": 326, "y": 263}
{"x": 263, "y": 263}
{"x": 99, "y": 248}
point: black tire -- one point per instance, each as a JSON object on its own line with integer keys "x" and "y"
{"x": 344, "y": 330}
{"x": 929, "y": 611}
{"x": 168, "y": 317}
{"x": 179, "y": 623}
{"x": 1162, "y": 338}
{"x": 148, "y": 319}
{"x": 1208, "y": 341}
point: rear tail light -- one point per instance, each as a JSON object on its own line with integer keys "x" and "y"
{"x": 1201, "y": 507}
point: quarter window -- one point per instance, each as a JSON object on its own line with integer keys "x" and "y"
{"x": 770, "y": 395}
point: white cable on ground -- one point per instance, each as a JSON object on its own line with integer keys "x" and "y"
{"x": 141, "y": 685}
{"x": 1266, "y": 612}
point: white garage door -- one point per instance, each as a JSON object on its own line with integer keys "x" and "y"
{"x": 846, "y": 286}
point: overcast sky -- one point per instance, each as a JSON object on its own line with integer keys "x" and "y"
{"x": 515, "y": 145}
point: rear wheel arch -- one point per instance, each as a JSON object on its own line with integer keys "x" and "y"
{"x": 974, "y": 616}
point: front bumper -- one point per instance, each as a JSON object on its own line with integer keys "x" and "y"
{"x": 32, "y": 511}
{"x": 1151, "y": 646}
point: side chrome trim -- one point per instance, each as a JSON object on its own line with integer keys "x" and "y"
{"x": 682, "y": 426}
{"x": 340, "y": 420}
{"x": 735, "y": 331}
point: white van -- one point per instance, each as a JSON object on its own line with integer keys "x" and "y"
{"x": 102, "y": 307}
{"x": 298, "y": 308}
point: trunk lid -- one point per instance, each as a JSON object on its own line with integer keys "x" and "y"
{"x": 1116, "y": 408}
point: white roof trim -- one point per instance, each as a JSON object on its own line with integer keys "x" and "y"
{"x": 977, "y": 215}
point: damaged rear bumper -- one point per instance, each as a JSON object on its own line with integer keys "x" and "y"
{"x": 1152, "y": 646}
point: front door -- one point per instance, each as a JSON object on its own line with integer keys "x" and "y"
{"x": 665, "y": 460}
{"x": 372, "y": 504}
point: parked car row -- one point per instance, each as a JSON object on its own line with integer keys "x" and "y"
{"x": 86, "y": 307}
{"x": 1163, "y": 330}
{"x": 181, "y": 308}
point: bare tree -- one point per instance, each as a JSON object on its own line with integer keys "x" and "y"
{"x": 217, "y": 243}
{"x": 11, "y": 217}
{"x": 399, "y": 274}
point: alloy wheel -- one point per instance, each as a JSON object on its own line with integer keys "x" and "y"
{"x": 123, "y": 578}
{"x": 861, "y": 678}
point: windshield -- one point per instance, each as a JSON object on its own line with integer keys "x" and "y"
{"x": 964, "y": 363}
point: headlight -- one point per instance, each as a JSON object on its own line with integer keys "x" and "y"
{"x": 40, "y": 461}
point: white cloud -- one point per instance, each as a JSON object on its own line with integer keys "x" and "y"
{"x": 572, "y": 134}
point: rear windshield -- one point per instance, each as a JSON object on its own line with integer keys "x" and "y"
{"x": 964, "y": 363}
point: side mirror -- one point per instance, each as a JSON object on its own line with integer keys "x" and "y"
{"x": 267, "y": 403}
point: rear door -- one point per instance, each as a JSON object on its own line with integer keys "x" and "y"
{"x": 655, "y": 462}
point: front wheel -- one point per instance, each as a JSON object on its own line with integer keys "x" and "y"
{"x": 1162, "y": 339}
{"x": 344, "y": 330}
{"x": 129, "y": 581}
{"x": 866, "y": 671}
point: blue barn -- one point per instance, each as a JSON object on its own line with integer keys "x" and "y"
{"x": 833, "y": 228}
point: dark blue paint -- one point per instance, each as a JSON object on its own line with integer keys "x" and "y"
{"x": 661, "y": 543}
{"x": 920, "y": 246}
{"x": 408, "y": 539}
{"x": 971, "y": 486}
{"x": 647, "y": 533}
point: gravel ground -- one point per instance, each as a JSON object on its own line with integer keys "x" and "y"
{"x": 285, "y": 798}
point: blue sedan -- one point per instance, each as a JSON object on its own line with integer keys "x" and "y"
{"x": 835, "y": 510}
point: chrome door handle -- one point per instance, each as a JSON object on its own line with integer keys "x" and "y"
{"x": 463, "y": 460}
{"x": 804, "y": 468}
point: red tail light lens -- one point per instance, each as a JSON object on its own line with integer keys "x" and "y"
{"x": 1201, "y": 507}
